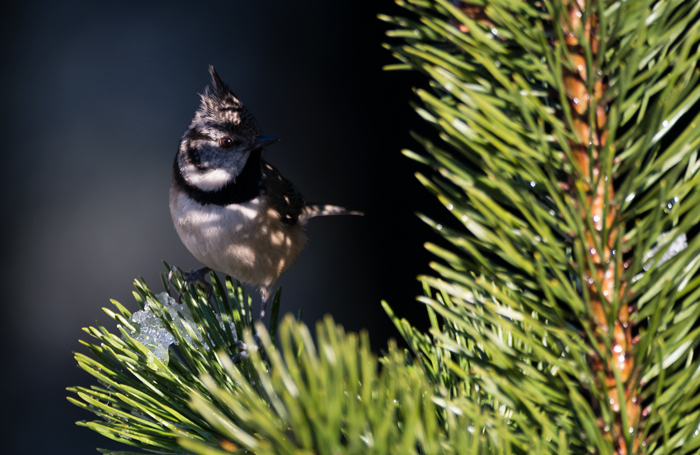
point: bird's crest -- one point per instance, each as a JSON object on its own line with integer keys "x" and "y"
{"x": 220, "y": 106}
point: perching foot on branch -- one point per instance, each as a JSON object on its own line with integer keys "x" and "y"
{"x": 192, "y": 278}
{"x": 243, "y": 349}
{"x": 263, "y": 306}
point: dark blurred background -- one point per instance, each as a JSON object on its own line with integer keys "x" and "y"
{"x": 95, "y": 97}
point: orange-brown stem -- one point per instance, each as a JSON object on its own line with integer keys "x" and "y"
{"x": 591, "y": 139}
{"x": 586, "y": 152}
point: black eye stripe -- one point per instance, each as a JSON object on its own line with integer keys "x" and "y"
{"x": 193, "y": 157}
{"x": 197, "y": 135}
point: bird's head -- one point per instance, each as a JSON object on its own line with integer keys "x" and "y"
{"x": 215, "y": 148}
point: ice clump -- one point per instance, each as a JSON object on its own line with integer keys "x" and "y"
{"x": 151, "y": 333}
{"x": 679, "y": 244}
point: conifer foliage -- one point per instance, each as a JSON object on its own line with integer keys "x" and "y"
{"x": 565, "y": 297}
{"x": 568, "y": 156}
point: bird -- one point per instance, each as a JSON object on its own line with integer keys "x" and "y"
{"x": 233, "y": 210}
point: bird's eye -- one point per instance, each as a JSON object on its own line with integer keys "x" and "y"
{"x": 226, "y": 141}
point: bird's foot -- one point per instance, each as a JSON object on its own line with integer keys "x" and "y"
{"x": 243, "y": 349}
{"x": 263, "y": 306}
{"x": 195, "y": 277}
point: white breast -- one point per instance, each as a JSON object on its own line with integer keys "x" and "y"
{"x": 246, "y": 241}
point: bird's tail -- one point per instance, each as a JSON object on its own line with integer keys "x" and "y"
{"x": 314, "y": 210}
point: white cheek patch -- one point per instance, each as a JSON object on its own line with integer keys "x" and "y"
{"x": 210, "y": 180}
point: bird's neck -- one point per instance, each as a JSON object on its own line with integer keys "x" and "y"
{"x": 245, "y": 187}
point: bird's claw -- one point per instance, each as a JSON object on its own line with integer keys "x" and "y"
{"x": 195, "y": 277}
{"x": 243, "y": 349}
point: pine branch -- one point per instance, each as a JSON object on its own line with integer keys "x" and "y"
{"x": 328, "y": 400}
{"x": 149, "y": 369}
{"x": 564, "y": 295}
{"x": 324, "y": 398}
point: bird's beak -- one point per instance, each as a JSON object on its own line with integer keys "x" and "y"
{"x": 264, "y": 141}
